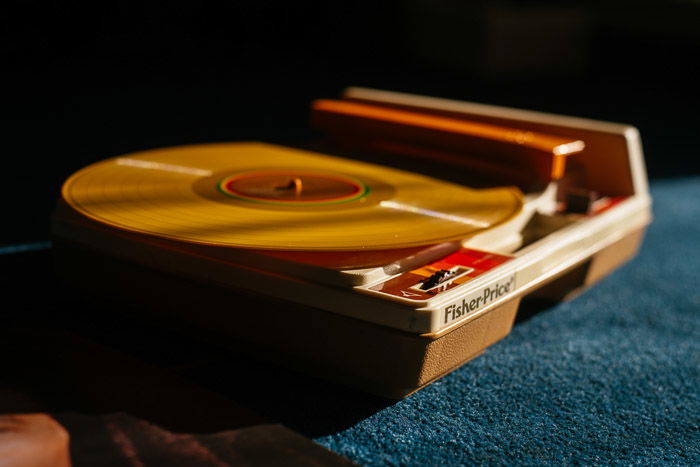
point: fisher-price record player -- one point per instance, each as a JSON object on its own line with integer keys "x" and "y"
{"x": 386, "y": 255}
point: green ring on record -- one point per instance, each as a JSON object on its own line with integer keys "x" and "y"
{"x": 361, "y": 190}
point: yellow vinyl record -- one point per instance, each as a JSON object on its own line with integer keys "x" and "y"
{"x": 261, "y": 196}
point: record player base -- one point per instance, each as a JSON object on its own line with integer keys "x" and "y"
{"x": 373, "y": 358}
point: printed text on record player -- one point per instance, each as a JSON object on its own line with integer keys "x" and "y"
{"x": 479, "y": 299}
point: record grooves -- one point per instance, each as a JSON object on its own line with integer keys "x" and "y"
{"x": 236, "y": 195}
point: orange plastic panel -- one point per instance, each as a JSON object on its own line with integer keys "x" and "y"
{"x": 544, "y": 152}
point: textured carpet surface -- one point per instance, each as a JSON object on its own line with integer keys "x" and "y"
{"x": 611, "y": 377}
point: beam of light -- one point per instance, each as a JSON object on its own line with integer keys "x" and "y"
{"x": 436, "y": 214}
{"x": 161, "y": 166}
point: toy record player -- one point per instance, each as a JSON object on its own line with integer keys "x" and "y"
{"x": 385, "y": 256}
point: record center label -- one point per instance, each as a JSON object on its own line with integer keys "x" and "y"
{"x": 292, "y": 187}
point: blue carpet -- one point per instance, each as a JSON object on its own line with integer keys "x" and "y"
{"x": 611, "y": 377}
{"x": 24, "y": 248}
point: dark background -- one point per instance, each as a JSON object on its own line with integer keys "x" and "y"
{"x": 83, "y": 82}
